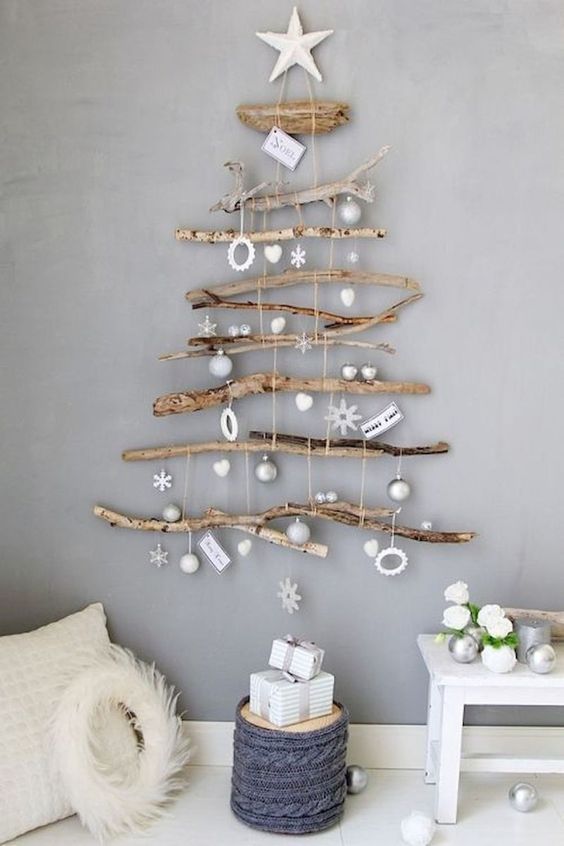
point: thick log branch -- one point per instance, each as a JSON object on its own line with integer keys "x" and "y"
{"x": 217, "y": 236}
{"x": 555, "y": 618}
{"x": 298, "y": 117}
{"x": 266, "y": 383}
{"x": 254, "y": 343}
{"x": 321, "y": 193}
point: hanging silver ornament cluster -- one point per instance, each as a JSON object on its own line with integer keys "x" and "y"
{"x": 349, "y": 371}
{"x": 266, "y": 470}
{"x": 189, "y": 563}
{"x": 398, "y": 489}
{"x": 220, "y": 365}
{"x": 172, "y": 513}
{"x": 463, "y": 649}
{"x": 349, "y": 211}
{"x": 523, "y": 797}
{"x": 357, "y": 779}
{"x": 541, "y": 658}
{"x": 321, "y": 498}
{"x": 298, "y": 532}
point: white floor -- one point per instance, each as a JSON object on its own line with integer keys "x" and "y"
{"x": 202, "y": 817}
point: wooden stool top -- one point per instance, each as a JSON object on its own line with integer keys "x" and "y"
{"x": 297, "y": 728}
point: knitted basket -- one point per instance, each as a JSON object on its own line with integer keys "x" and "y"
{"x": 289, "y": 782}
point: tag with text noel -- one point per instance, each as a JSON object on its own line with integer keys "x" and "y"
{"x": 283, "y": 148}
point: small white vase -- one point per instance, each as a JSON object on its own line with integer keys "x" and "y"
{"x": 501, "y": 660}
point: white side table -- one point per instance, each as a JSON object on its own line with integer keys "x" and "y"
{"x": 451, "y": 687}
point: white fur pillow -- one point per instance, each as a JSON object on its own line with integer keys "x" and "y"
{"x": 32, "y": 669}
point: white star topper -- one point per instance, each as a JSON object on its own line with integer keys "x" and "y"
{"x": 295, "y": 47}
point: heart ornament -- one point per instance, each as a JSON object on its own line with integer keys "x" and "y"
{"x": 278, "y": 325}
{"x": 244, "y": 547}
{"x": 347, "y": 296}
{"x": 273, "y": 253}
{"x": 304, "y": 402}
{"x": 222, "y": 468}
{"x": 371, "y": 547}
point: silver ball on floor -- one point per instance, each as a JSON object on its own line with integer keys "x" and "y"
{"x": 357, "y": 779}
{"x": 523, "y": 797}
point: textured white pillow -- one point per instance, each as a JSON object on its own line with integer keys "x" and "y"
{"x": 33, "y": 667}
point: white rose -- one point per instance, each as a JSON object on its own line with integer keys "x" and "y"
{"x": 456, "y": 617}
{"x": 489, "y": 613}
{"x": 458, "y": 592}
{"x": 500, "y": 627}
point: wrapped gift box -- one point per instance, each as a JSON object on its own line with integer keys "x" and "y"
{"x": 301, "y": 658}
{"x": 283, "y": 702}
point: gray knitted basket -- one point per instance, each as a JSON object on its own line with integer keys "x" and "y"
{"x": 289, "y": 782}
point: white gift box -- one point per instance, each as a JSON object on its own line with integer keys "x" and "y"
{"x": 283, "y": 702}
{"x": 301, "y": 658}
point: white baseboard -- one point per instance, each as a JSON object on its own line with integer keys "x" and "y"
{"x": 391, "y": 747}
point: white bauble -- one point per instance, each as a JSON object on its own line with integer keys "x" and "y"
{"x": 417, "y": 829}
{"x": 426, "y": 525}
{"x": 347, "y": 296}
{"x": 349, "y": 211}
{"x": 244, "y": 547}
{"x": 298, "y": 532}
{"x": 171, "y": 513}
{"x": 371, "y": 547}
{"x": 233, "y": 331}
{"x": 500, "y": 660}
{"x": 399, "y": 490}
{"x": 222, "y": 467}
{"x": 277, "y": 325}
{"x": 220, "y": 365}
{"x": 304, "y": 401}
{"x": 189, "y": 563}
{"x": 266, "y": 470}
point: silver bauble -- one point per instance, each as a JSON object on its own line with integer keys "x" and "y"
{"x": 298, "y": 532}
{"x": 353, "y": 257}
{"x": 331, "y": 496}
{"x": 171, "y": 513}
{"x": 349, "y": 212}
{"x": 541, "y": 658}
{"x": 523, "y": 797}
{"x": 266, "y": 470}
{"x": 245, "y": 329}
{"x": 399, "y": 490}
{"x": 320, "y": 498}
{"x": 368, "y": 372}
{"x": 233, "y": 331}
{"x": 220, "y": 365}
{"x": 477, "y": 632}
{"x": 357, "y": 779}
{"x": 463, "y": 649}
{"x": 349, "y": 372}
{"x": 189, "y": 563}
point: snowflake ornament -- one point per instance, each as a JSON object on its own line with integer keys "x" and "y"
{"x": 207, "y": 328}
{"x": 343, "y": 417}
{"x": 298, "y": 257}
{"x": 303, "y": 344}
{"x": 158, "y": 556}
{"x": 162, "y": 481}
{"x": 289, "y": 595}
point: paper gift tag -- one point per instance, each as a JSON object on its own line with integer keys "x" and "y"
{"x": 214, "y": 552}
{"x": 283, "y": 148}
{"x": 381, "y": 422}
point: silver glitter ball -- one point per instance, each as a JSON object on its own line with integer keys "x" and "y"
{"x": 320, "y": 498}
{"x": 349, "y": 372}
{"x": 245, "y": 329}
{"x": 399, "y": 490}
{"x": 541, "y": 658}
{"x": 233, "y": 331}
{"x": 349, "y": 211}
{"x": 298, "y": 532}
{"x": 266, "y": 470}
{"x": 353, "y": 257}
{"x": 368, "y": 372}
{"x": 220, "y": 365}
{"x": 477, "y": 632}
{"x": 331, "y": 496}
{"x": 463, "y": 649}
{"x": 523, "y": 797}
{"x": 357, "y": 779}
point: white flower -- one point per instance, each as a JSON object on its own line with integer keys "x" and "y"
{"x": 458, "y": 593}
{"x": 488, "y": 614}
{"x": 456, "y": 617}
{"x": 500, "y": 627}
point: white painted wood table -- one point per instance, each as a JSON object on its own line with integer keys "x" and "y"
{"x": 451, "y": 687}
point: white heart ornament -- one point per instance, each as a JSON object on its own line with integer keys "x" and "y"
{"x": 221, "y": 468}
{"x": 277, "y": 325}
{"x": 347, "y": 296}
{"x": 244, "y": 547}
{"x": 273, "y": 253}
{"x": 371, "y": 547}
{"x": 304, "y": 402}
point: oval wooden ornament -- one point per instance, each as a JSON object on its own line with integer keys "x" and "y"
{"x": 229, "y": 424}
{"x": 296, "y": 116}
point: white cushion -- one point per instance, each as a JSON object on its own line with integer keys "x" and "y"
{"x": 33, "y": 668}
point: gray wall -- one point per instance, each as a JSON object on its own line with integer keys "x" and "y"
{"x": 117, "y": 118}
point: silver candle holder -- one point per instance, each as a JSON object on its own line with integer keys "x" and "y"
{"x": 530, "y": 632}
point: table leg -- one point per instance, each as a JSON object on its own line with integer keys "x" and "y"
{"x": 449, "y": 755}
{"x": 434, "y": 708}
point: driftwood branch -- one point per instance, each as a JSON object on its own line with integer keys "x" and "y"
{"x": 266, "y": 383}
{"x": 325, "y": 193}
{"x": 298, "y": 117}
{"x": 254, "y": 343}
{"x": 555, "y": 618}
{"x": 217, "y": 236}
{"x": 288, "y": 444}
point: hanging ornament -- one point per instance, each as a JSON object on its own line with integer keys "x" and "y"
{"x": 347, "y": 296}
{"x": 399, "y": 489}
{"x": 277, "y": 325}
{"x": 332, "y": 496}
{"x": 303, "y": 401}
{"x": 371, "y": 547}
{"x": 162, "y": 481}
{"x": 245, "y": 330}
{"x": 241, "y": 241}
{"x": 189, "y": 563}
{"x": 220, "y": 365}
{"x": 393, "y": 552}
{"x": 343, "y": 417}
{"x": 349, "y": 212}
{"x": 233, "y": 331}
{"x": 426, "y": 525}
{"x": 294, "y": 47}
{"x": 303, "y": 344}
{"x": 266, "y": 470}
{"x": 289, "y": 595}
{"x": 172, "y": 513}
{"x": 229, "y": 424}
{"x": 352, "y": 257}
{"x": 244, "y": 547}
{"x": 207, "y": 328}
{"x": 158, "y": 556}
{"x": 298, "y": 532}
{"x": 320, "y": 498}
{"x": 273, "y": 253}
{"x": 298, "y": 256}
{"x": 221, "y": 468}
{"x": 349, "y": 372}
{"x": 368, "y": 372}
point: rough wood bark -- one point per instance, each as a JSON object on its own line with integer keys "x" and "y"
{"x": 289, "y": 444}
{"x": 254, "y": 343}
{"x": 316, "y": 193}
{"x": 264, "y": 383}
{"x": 298, "y": 117}
{"x": 217, "y": 236}
{"x": 555, "y": 618}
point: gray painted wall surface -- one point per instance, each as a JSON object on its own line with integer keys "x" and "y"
{"x": 117, "y": 118}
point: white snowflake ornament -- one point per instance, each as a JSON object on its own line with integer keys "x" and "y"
{"x": 158, "y": 556}
{"x": 207, "y": 328}
{"x": 162, "y": 481}
{"x": 298, "y": 256}
{"x": 343, "y": 417}
{"x": 303, "y": 344}
{"x": 289, "y": 595}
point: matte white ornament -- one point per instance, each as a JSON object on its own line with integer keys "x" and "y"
{"x": 303, "y": 401}
{"x": 347, "y": 296}
{"x": 245, "y": 330}
{"x": 398, "y": 489}
{"x": 368, "y": 371}
{"x": 343, "y": 417}
{"x": 158, "y": 556}
{"x": 266, "y": 470}
{"x": 273, "y": 253}
{"x": 298, "y": 532}
{"x": 289, "y": 595}
{"x": 278, "y": 325}
{"x": 244, "y": 547}
{"x": 417, "y": 829}
{"x": 371, "y": 548}
{"x": 295, "y": 47}
{"x": 222, "y": 467}
{"x": 220, "y": 365}
{"x": 349, "y": 372}
{"x": 426, "y": 525}
{"x": 241, "y": 241}
{"x": 500, "y": 660}
{"x": 229, "y": 424}
{"x": 298, "y": 257}
{"x": 349, "y": 212}
{"x": 189, "y": 563}
{"x": 391, "y": 552}
{"x": 171, "y": 513}
{"x": 523, "y": 797}
{"x": 162, "y": 481}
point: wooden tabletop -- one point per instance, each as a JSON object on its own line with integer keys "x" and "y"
{"x": 297, "y": 728}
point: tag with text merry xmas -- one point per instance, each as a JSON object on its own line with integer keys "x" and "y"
{"x": 282, "y": 147}
{"x": 381, "y": 422}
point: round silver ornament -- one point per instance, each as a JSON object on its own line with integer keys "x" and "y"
{"x": 353, "y": 257}
{"x": 171, "y": 513}
{"x": 298, "y": 532}
{"x": 357, "y": 779}
{"x": 233, "y": 331}
{"x": 320, "y": 498}
{"x": 368, "y": 371}
{"x": 220, "y": 365}
{"x": 399, "y": 489}
{"x": 523, "y": 797}
{"x": 331, "y": 496}
{"x": 189, "y": 563}
{"x": 349, "y": 372}
{"x": 477, "y": 632}
{"x": 266, "y": 470}
{"x": 541, "y": 658}
{"x": 463, "y": 649}
{"x": 245, "y": 329}
{"x": 349, "y": 212}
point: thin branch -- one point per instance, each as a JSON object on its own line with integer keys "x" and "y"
{"x": 254, "y": 343}
{"x": 216, "y": 236}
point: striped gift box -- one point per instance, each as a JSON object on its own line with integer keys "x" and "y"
{"x": 283, "y": 702}
{"x": 301, "y": 658}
